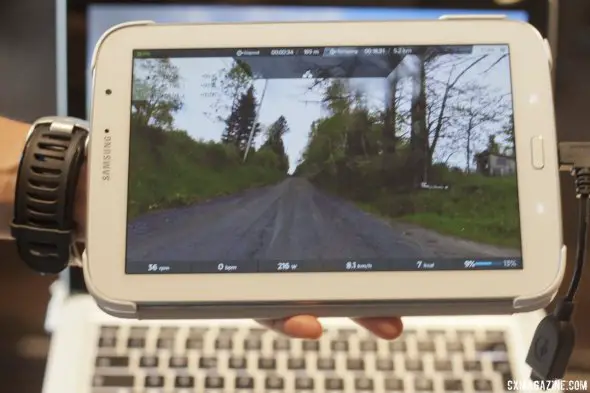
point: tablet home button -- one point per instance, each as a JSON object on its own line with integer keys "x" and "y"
{"x": 538, "y": 152}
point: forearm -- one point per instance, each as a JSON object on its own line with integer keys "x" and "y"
{"x": 12, "y": 141}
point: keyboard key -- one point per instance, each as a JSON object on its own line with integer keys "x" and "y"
{"x": 461, "y": 333}
{"x": 237, "y": 363}
{"x": 184, "y": 381}
{"x": 168, "y": 332}
{"x": 108, "y": 381}
{"x": 334, "y": 384}
{"x": 347, "y": 332}
{"x": 304, "y": 383}
{"x": 136, "y": 342}
{"x": 165, "y": 343}
{"x": 394, "y": 385}
{"x": 208, "y": 362}
{"x": 258, "y": 331}
{"x": 454, "y": 346}
{"x": 138, "y": 331}
{"x": 472, "y": 365}
{"x": 109, "y": 331}
{"x": 490, "y": 346}
{"x": 443, "y": 365}
{"x": 339, "y": 346}
{"x": 197, "y": 331}
{"x": 423, "y": 384}
{"x": 326, "y": 364}
{"x": 154, "y": 381}
{"x": 368, "y": 346}
{"x": 148, "y": 362}
{"x": 228, "y": 331}
{"x": 414, "y": 365}
{"x": 398, "y": 346}
{"x": 453, "y": 385}
{"x": 310, "y": 346}
{"x": 504, "y": 369}
{"x": 253, "y": 344}
{"x": 363, "y": 384}
{"x": 112, "y": 361}
{"x": 213, "y": 382}
{"x": 495, "y": 335}
{"x": 296, "y": 364}
{"x": 195, "y": 343}
{"x": 178, "y": 362}
{"x": 275, "y": 383}
{"x": 483, "y": 385}
{"x": 267, "y": 364}
{"x": 384, "y": 364}
{"x": 223, "y": 343}
{"x": 501, "y": 367}
{"x": 243, "y": 382}
{"x": 355, "y": 364}
{"x": 435, "y": 332}
{"x": 107, "y": 342}
{"x": 281, "y": 344}
{"x": 426, "y": 346}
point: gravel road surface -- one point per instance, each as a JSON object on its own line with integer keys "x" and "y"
{"x": 291, "y": 220}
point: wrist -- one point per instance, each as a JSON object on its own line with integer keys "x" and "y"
{"x": 13, "y": 142}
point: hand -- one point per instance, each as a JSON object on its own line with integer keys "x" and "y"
{"x": 308, "y": 327}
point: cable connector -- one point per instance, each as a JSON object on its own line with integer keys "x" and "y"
{"x": 552, "y": 345}
{"x": 554, "y": 339}
{"x": 574, "y": 157}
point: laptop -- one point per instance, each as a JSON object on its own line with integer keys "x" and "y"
{"x": 92, "y": 352}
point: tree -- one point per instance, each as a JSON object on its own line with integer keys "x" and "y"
{"x": 241, "y": 125}
{"x": 275, "y": 143}
{"x": 227, "y": 86}
{"x": 155, "y": 97}
{"x": 440, "y": 119}
{"x": 478, "y": 114}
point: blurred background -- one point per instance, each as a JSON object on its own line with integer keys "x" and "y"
{"x": 27, "y": 91}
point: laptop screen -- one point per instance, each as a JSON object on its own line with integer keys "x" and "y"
{"x": 101, "y": 16}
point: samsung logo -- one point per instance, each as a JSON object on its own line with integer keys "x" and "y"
{"x": 106, "y": 158}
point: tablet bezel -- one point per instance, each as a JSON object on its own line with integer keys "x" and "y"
{"x": 539, "y": 196}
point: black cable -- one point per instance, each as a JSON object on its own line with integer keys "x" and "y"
{"x": 581, "y": 248}
{"x": 554, "y": 339}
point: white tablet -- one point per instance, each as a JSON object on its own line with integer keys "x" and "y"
{"x": 333, "y": 169}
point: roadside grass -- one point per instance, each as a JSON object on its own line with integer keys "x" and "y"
{"x": 179, "y": 171}
{"x": 477, "y": 208}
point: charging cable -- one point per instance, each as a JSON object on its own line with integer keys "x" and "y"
{"x": 554, "y": 339}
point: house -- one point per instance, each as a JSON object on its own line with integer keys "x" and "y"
{"x": 495, "y": 164}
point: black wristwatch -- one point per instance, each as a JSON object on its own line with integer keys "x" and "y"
{"x": 43, "y": 225}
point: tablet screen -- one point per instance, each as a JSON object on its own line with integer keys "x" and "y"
{"x": 322, "y": 159}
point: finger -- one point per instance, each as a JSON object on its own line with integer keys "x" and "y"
{"x": 385, "y": 328}
{"x": 302, "y": 326}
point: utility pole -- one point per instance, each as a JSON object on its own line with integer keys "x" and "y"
{"x": 255, "y": 121}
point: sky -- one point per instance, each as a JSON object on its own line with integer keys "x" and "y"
{"x": 292, "y": 99}
{"x": 299, "y": 114}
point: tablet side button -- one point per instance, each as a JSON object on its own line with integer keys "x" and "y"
{"x": 538, "y": 152}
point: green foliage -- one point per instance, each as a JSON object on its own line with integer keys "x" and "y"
{"x": 351, "y": 153}
{"x": 274, "y": 142}
{"x": 154, "y": 98}
{"x": 180, "y": 171}
{"x": 241, "y": 126}
{"x": 476, "y": 207}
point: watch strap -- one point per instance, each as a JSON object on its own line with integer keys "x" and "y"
{"x": 43, "y": 225}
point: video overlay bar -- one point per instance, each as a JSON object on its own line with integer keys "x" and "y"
{"x": 316, "y": 62}
{"x": 342, "y": 265}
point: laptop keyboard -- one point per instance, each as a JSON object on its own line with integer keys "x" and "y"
{"x": 173, "y": 359}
